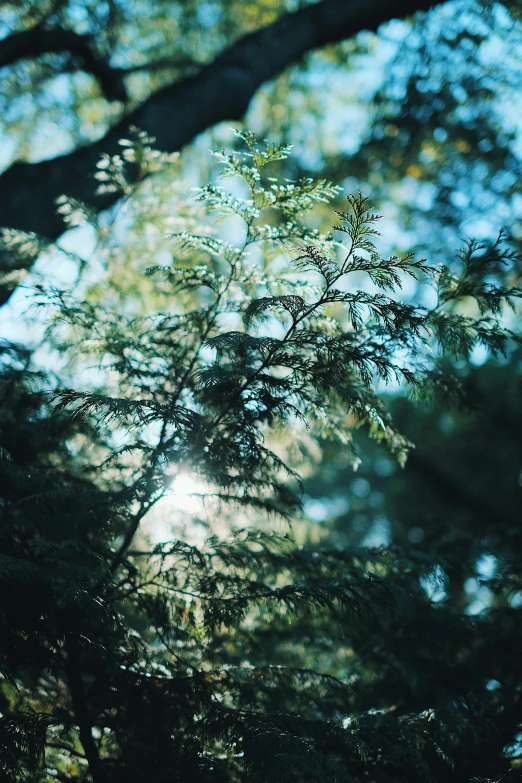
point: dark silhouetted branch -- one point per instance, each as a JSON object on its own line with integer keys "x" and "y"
{"x": 81, "y": 711}
{"x": 41, "y": 40}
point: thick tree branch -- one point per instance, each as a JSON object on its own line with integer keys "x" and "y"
{"x": 175, "y": 114}
{"x": 43, "y": 40}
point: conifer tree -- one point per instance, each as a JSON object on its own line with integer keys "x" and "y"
{"x": 209, "y": 655}
{"x": 453, "y": 639}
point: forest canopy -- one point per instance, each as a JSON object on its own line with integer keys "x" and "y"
{"x": 260, "y": 446}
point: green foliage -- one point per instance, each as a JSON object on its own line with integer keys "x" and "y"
{"x": 180, "y": 659}
{"x": 453, "y": 637}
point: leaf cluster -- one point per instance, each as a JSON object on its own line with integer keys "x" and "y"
{"x": 156, "y": 650}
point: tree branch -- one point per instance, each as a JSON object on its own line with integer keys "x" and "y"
{"x": 176, "y": 114}
{"x": 163, "y": 62}
{"x": 81, "y": 711}
{"x": 43, "y": 40}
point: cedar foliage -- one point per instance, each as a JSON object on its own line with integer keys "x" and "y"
{"x": 128, "y": 661}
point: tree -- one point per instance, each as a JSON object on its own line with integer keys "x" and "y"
{"x": 212, "y": 76}
{"x": 193, "y": 657}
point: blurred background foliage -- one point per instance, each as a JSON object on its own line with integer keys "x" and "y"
{"x": 423, "y": 117}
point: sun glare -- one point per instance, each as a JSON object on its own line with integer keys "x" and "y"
{"x": 183, "y": 499}
{"x": 184, "y": 494}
